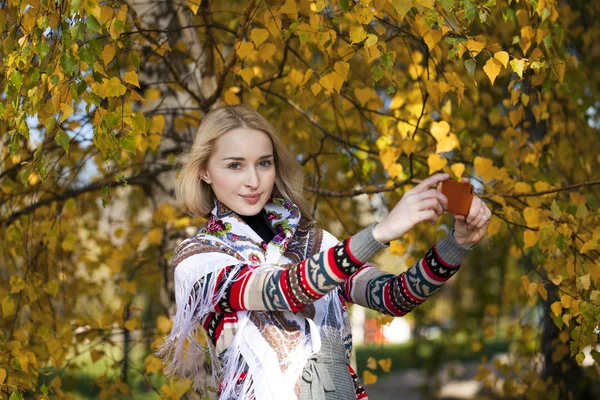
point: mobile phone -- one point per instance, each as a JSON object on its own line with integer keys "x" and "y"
{"x": 459, "y": 194}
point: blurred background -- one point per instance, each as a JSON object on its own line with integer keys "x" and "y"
{"x": 101, "y": 98}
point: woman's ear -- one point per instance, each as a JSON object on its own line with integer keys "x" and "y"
{"x": 204, "y": 175}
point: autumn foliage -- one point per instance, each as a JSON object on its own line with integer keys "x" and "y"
{"x": 99, "y": 98}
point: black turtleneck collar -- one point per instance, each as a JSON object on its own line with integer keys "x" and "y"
{"x": 260, "y": 224}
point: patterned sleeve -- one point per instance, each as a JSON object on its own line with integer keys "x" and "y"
{"x": 398, "y": 295}
{"x": 279, "y": 289}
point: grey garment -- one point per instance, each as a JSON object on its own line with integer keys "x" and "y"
{"x": 326, "y": 376}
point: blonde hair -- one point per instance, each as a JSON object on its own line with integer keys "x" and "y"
{"x": 197, "y": 198}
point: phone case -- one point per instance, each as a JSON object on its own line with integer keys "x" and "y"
{"x": 459, "y": 194}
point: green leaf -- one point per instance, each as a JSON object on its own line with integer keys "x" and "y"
{"x": 54, "y": 79}
{"x": 556, "y": 211}
{"x": 391, "y": 89}
{"x": 128, "y": 143}
{"x": 470, "y": 66}
{"x": 15, "y": 395}
{"x": 447, "y": 4}
{"x": 470, "y": 9}
{"x": 387, "y": 59}
{"x": 518, "y": 66}
{"x": 344, "y": 5}
{"x": 69, "y": 63}
{"x": 92, "y": 24}
{"x": 2, "y": 109}
{"x": 377, "y": 73}
{"x": 16, "y": 78}
{"x": 62, "y": 139}
{"x": 75, "y": 6}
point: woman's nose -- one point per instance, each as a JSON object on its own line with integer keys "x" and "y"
{"x": 252, "y": 178}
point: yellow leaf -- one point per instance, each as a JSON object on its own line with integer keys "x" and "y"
{"x": 315, "y": 88}
{"x": 131, "y": 77}
{"x": 342, "y": 68}
{"x": 371, "y": 40}
{"x": 482, "y": 165}
{"x": 155, "y": 236}
{"x": 244, "y": 48}
{"x": 436, "y": 163}
{"x": 543, "y": 292}
{"x": 589, "y": 245}
{"x": 566, "y": 300}
{"x": 290, "y": 9}
{"x": 158, "y": 124}
{"x": 502, "y": 56}
{"x": 2, "y": 375}
{"x": 556, "y": 308}
{"x": 358, "y": 34}
{"x": 494, "y": 226}
{"x": 231, "y": 97}
{"x": 448, "y": 143}
{"x": 492, "y": 68}
{"x": 108, "y": 53}
{"x": 371, "y": 363}
{"x": 113, "y": 87}
{"x": 152, "y": 363}
{"x": 530, "y": 238}
{"x": 369, "y": 378}
{"x": 52, "y": 288}
{"x": 584, "y": 281}
{"x": 67, "y": 111}
{"x": 364, "y": 15}
{"x": 363, "y": 95}
{"x": 474, "y": 46}
{"x": 16, "y": 284}
{"x": 133, "y": 324}
{"x": 458, "y": 169}
{"x": 194, "y": 5}
{"x": 247, "y": 74}
{"x": 259, "y": 35}
{"x": 267, "y": 51}
{"x": 432, "y": 38}
{"x": 332, "y": 81}
{"x": 8, "y": 306}
{"x": 129, "y": 286}
{"x": 439, "y": 129}
{"x": 385, "y": 364}
{"x": 532, "y": 217}
{"x": 402, "y": 7}
{"x": 164, "y": 324}
{"x": 409, "y": 146}
{"x": 426, "y": 3}
{"x": 559, "y": 68}
{"x": 522, "y": 187}
{"x": 518, "y": 66}
{"x": 594, "y": 296}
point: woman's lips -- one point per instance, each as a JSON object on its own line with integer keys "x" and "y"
{"x": 251, "y": 199}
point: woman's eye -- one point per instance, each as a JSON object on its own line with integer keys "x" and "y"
{"x": 266, "y": 163}
{"x": 233, "y": 166}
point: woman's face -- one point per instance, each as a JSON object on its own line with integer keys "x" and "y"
{"x": 241, "y": 170}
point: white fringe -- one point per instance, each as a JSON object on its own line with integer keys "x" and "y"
{"x": 186, "y": 357}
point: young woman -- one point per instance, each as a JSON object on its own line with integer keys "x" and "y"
{"x": 261, "y": 291}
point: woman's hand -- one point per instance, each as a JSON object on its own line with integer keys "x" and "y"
{"x": 472, "y": 228}
{"x": 419, "y": 204}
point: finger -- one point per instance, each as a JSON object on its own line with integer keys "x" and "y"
{"x": 474, "y": 210}
{"x": 478, "y": 218}
{"x": 428, "y": 204}
{"x": 432, "y": 193}
{"x": 427, "y": 215}
{"x": 429, "y": 182}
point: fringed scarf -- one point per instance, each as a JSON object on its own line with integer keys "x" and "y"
{"x": 273, "y": 346}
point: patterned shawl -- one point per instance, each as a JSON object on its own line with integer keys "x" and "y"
{"x": 273, "y": 346}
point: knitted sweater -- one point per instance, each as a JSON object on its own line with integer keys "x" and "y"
{"x": 343, "y": 267}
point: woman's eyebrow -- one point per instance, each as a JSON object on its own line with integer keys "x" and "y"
{"x": 243, "y": 159}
